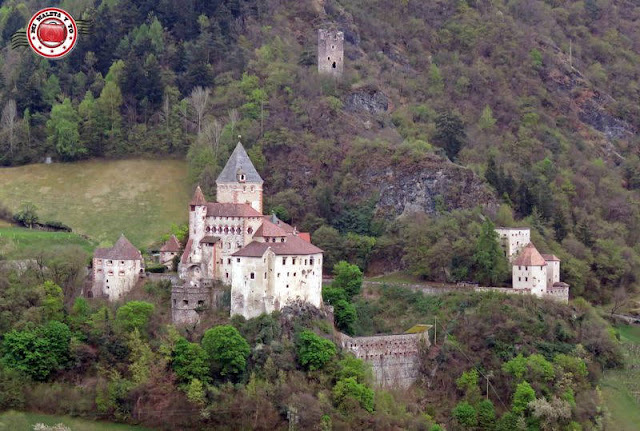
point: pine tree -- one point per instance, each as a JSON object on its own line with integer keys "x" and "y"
{"x": 490, "y": 263}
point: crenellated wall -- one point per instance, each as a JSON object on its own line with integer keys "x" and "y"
{"x": 395, "y": 359}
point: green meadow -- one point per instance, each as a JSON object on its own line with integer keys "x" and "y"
{"x": 19, "y": 421}
{"x": 621, "y": 388}
{"x": 102, "y": 199}
{"x": 18, "y": 243}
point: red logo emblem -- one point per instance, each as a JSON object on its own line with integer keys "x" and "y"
{"x": 52, "y": 33}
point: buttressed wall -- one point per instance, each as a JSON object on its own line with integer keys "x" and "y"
{"x": 395, "y": 359}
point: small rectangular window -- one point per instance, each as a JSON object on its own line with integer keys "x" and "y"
{"x": 526, "y": 279}
{"x": 238, "y": 260}
{"x": 185, "y": 302}
{"x": 227, "y": 275}
{"x": 294, "y": 261}
{"x": 229, "y": 261}
{"x": 284, "y": 260}
{"x": 519, "y": 278}
{"x": 253, "y": 276}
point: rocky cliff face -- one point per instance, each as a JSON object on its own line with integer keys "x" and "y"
{"x": 429, "y": 186}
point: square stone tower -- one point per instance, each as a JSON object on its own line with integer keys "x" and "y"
{"x": 330, "y": 52}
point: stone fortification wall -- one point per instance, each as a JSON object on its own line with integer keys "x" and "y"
{"x": 394, "y": 358}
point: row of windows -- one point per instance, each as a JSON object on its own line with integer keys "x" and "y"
{"x": 306, "y": 261}
{"x": 120, "y": 273}
{"x": 274, "y": 239}
{"x": 526, "y": 268}
{"x": 186, "y": 302}
{"x": 109, "y": 262}
{"x": 228, "y": 230}
{"x": 253, "y": 274}
{"x": 525, "y": 279}
{"x": 242, "y": 178}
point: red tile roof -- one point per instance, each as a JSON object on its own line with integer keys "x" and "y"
{"x": 293, "y": 245}
{"x": 550, "y": 257}
{"x": 209, "y": 239}
{"x": 282, "y": 225}
{"x": 172, "y": 245}
{"x": 198, "y": 197}
{"x": 187, "y": 251}
{"x": 216, "y": 209}
{"x": 121, "y": 250}
{"x": 269, "y": 229}
{"x": 529, "y": 256}
{"x": 305, "y": 236}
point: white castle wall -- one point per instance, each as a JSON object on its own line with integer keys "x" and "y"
{"x": 115, "y": 278}
{"x": 513, "y": 240}
{"x": 530, "y": 277}
{"x": 267, "y": 283}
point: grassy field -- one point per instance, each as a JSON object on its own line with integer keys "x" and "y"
{"x": 102, "y": 199}
{"x": 18, "y": 243}
{"x": 621, "y": 388}
{"x": 19, "y": 421}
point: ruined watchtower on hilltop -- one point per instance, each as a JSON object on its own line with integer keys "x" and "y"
{"x": 330, "y": 52}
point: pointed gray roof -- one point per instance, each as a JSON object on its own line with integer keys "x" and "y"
{"x": 121, "y": 250}
{"x": 239, "y": 161}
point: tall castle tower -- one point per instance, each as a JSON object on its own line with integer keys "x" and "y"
{"x": 330, "y": 52}
{"x": 239, "y": 182}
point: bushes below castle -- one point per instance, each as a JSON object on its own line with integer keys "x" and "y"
{"x": 284, "y": 366}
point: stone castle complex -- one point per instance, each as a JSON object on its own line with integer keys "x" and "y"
{"x": 267, "y": 262}
{"x": 538, "y": 274}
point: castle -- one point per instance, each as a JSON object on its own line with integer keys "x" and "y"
{"x": 116, "y": 270}
{"x": 538, "y": 274}
{"x": 267, "y": 262}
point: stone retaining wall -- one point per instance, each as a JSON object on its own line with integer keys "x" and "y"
{"x": 394, "y": 358}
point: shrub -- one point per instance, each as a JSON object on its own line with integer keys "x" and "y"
{"x": 227, "y": 350}
{"x": 314, "y": 351}
{"x": 523, "y": 396}
{"x": 189, "y": 361}
{"x": 134, "y": 314}
{"x": 349, "y": 388}
{"x": 331, "y": 295}
{"x": 38, "y": 352}
{"x": 465, "y": 414}
{"x": 347, "y": 277}
{"x": 345, "y": 316}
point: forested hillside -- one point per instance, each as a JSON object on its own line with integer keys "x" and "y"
{"x": 527, "y": 104}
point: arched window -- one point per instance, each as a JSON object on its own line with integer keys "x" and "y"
{"x": 226, "y": 229}
{"x": 250, "y": 230}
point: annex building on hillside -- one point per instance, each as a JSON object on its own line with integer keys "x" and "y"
{"x": 267, "y": 262}
{"x": 168, "y": 252}
{"x": 116, "y": 270}
{"x": 539, "y": 274}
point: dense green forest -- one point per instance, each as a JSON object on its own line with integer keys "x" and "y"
{"x": 538, "y": 98}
